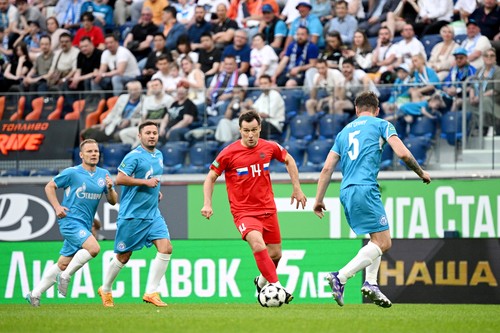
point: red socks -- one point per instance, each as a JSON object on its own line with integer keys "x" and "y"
{"x": 266, "y": 266}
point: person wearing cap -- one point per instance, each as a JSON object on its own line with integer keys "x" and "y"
{"x": 475, "y": 43}
{"x": 453, "y": 83}
{"x": 487, "y": 16}
{"x": 399, "y": 91}
{"x": 273, "y": 29}
{"x": 308, "y": 20}
{"x": 248, "y": 13}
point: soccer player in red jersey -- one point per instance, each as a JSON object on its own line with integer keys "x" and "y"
{"x": 246, "y": 164}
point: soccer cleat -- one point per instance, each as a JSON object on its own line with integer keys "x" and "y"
{"x": 256, "y": 282}
{"x": 34, "y": 301}
{"x": 62, "y": 284}
{"x": 337, "y": 287}
{"x": 372, "y": 292}
{"x": 288, "y": 297}
{"x": 107, "y": 298}
{"x": 154, "y": 298}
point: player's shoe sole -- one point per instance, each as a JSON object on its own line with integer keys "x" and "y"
{"x": 373, "y": 293}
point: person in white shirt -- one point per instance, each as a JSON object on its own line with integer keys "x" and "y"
{"x": 263, "y": 59}
{"x": 327, "y": 87}
{"x": 118, "y": 66}
{"x": 463, "y": 9}
{"x": 408, "y": 46}
{"x": 475, "y": 44}
{"x": 432, "y": 16}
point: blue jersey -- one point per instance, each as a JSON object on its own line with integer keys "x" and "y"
{"x": 359, "y": 146}
{"x": 82, "y": 191}
{"x": 140, "y": 202}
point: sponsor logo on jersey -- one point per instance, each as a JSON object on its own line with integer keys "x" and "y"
{"x": 81, "y": 193}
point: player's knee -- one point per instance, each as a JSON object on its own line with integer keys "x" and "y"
{"x": 123, "y": 257}
{"x": 168, "y": 249}
{"x": 62, "y": 266}
{"x": 94, "y": 250}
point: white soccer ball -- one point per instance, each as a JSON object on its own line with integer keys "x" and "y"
{"x": 271, "y": 296}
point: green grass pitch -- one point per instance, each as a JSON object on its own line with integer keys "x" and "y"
{"x": 239, "y": 318}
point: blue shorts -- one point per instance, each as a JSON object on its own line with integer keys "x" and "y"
{"x": 75, "y": 233}
{"x": 363, "y": 209}
{"x": 134, "y": 234}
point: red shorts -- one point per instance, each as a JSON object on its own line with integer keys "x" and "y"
{"x": 267, "y": 224}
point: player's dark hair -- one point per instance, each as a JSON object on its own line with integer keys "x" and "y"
{"x": 87, "y": 141}
{"x": 366, "y": 101}
{"x": 249, "y": 116}
{"x": 146, "y": 123}
{"x": 265, "y": 76}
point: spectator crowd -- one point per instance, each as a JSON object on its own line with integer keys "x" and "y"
{"x": 185, "y": 63}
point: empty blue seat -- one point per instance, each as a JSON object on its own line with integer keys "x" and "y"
{"x": 15, "y": 173}
{"x": 296, "y": 148}
{"x": 302, "y": 127}
{"x": 112, "y": 155}
{"x": 174, "y": 156}
{"x": 460, "y": 38}
{"x": 423, "y": 126}
{"x": 293, "y": 101}
{"x": 331, "y": 124}
{"x": 418, "y": 146}
{"x": 44, "y": 172}
{"x": 429, "y": 41}
{"x": 317, "y": 151}
{"x": 451, "y": 126}
{"x": 201, "y": 155}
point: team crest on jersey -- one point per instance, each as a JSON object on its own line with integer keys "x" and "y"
{"x": 383, "y": 220}
{"x": 161, "y": 162}
{"x": 101, "y": 182}
{"x": 262, "y": 155}
{"x": 82, "y": 233}
{"x": 121, "y": 246}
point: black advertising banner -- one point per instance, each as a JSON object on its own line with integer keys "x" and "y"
{"x": 27, "y": 215}
{"x": 34, "y": 140}
{"x": 442, "y": 271}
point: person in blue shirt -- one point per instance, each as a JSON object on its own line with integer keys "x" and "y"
{"x": 358, "y": 147}
{"x": 300, "y": 55}
{"x": 273, "y": 28}
{"x": 102, "y": 12}
{"x": 240, "y": 50}
{"x": 140, "y": 222}
{"x": 83, "y": 187}
{"x": 308, "y": 20}
{"x": 198, "y": 28}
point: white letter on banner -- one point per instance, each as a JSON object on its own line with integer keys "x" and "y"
{"x": 135, "y": 265}
{"x": 389, "y": 210}
{"x": 324, "y": 290}
{"x": 200, "y": 266}
{"x": 87, "y": 288}
{"x": 17, "y": 260}
{"x": 37, "y": 276}
{"x": 418, "y": 214}
{"x": 442, "y": 191}
{"x": 465, "y": 201}
{"x": 179, "y": 279}
{"x": 484, "y": 218}
{"x": 308, "y": 283}
{"x": 292, "y": 271}
{"x": 227, "y": 278}
{"x": 119, "y": 289}
{"x": 332, "y": 204}
{"x": 401, "y": 203}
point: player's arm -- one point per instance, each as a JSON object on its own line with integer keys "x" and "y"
{"x": 208, "y": 190}
{"x": 293, "y": 171}
{"x": 404, "y": 154}
{"x": 50, "y": 191}
{"x": 124, "y": 179}
{"x": 324, "y": 180}
{"x": 112, "y": 196}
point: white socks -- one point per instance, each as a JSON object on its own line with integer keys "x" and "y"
{"x": 372, "y": 271}
{"x": 157, "y": 271}
{"x": 79, "y": 259}
{"x": 113, "y": 269}
{"x": 365, "y": 257}
{"x": 48, "y": 280}
{"x": 261, "y": 281}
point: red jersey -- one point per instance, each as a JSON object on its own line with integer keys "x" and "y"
{"x": 248, "y": 183}
{"x": 95, "y": 34}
